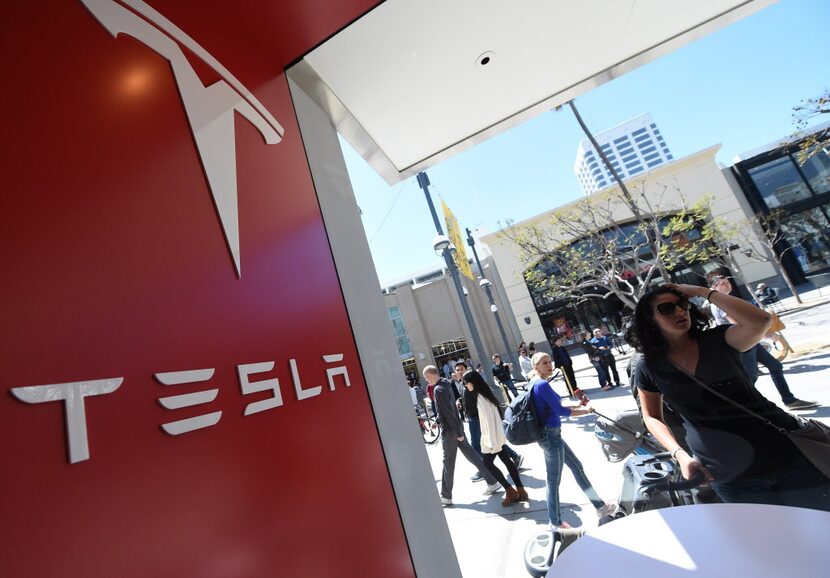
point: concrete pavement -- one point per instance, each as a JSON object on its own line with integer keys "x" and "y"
{"x": 489, "y": 539}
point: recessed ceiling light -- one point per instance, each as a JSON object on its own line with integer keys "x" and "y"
{"x": 485, "y": 58}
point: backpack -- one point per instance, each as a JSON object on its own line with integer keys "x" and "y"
{"x": 521, "y": 424}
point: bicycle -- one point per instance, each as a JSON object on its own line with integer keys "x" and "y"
{"x": 618, "y": 343}
{"x": 777, "y": 345}
{"x": 430, "y": 428}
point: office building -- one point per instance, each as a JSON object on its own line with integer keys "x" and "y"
{"x": 632, "y": 148}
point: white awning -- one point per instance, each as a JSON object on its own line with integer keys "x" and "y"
{"x": 416, "y": 81}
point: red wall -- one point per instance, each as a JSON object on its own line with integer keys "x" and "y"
{"x": 114, "y": 265}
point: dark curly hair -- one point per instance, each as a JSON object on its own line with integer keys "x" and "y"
{"x": 644, "y": 335}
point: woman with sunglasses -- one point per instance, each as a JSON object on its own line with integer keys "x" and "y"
{"x": 746, "y": 459}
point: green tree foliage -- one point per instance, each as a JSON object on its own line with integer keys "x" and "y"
{"x": 584, "y": 252}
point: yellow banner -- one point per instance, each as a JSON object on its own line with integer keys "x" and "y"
{"x": 454, "y": 235}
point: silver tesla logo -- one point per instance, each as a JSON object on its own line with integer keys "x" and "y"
{"x": 209, "y": 109}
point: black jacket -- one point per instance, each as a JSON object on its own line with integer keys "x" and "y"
{"x": 560, "y": 357}
{"x": 502, "y": 372}
{"x": 594, "y": 354}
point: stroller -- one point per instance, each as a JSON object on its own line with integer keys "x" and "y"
{"x": 650, "y": 481}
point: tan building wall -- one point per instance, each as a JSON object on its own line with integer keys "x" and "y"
{"x": 690, "y": 178}
{"x": 432, "y": 314}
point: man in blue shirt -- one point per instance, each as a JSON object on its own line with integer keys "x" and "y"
{"x": 604, "y": 345}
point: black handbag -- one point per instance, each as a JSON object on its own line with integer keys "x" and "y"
{"x": 812, "y": 439}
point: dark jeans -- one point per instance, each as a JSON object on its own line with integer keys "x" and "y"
{"x": 570, "y": 378}
{"x": 800, "y": 485}
{"x": 610, "y": 363}
{"x": 602, "y": 375}
{"x": 475, "y": 433}
{"x": 508, "y": 462}
{"x": 451, "y": 446}
{"x": 508, "y": 383}
{"x": 757, "y": 355}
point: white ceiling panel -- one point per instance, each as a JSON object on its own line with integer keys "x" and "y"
{"x": 407, "y": 87}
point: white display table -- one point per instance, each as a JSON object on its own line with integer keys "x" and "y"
{"x": 712, "y": 540}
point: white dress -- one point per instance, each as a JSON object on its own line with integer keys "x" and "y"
{"x": 492, "y": 433}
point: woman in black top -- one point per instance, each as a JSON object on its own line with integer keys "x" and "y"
{"x": 746, "y": 459}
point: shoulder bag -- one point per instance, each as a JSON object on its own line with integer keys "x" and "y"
{"x": 812, "y": 439}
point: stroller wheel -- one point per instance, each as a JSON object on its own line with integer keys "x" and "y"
{"x": 544, "y": 547}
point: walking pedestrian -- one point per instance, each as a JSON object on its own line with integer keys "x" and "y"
{"x": 469, "y": 404}
{"x": 452, "y": 437}
{"x": 502, "y": 374}
{"x": 757, "y": 354}
{"x": 595, "y": 357}
{"x": 562, "y": 360}
{"x": 550, "y": 410}
{"x": 492, "y": 441}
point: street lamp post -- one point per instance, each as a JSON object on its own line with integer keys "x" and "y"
{"x": 488, "y": 289}
{"x": 442, "y": 244}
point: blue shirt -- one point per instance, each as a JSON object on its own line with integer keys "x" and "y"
{"x": 548, "y": 407}
{"x": 602, "y": 342}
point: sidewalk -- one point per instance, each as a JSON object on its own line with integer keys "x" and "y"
{"x": 490, "y": 540}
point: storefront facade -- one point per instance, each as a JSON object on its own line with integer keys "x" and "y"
{"x": 775, "y": 182}
{"x": 692, "y": 178}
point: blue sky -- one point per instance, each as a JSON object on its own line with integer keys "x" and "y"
{"x": 736, "y": 87}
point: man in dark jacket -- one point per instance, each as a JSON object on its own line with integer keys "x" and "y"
{"x": 562, "y": 360}
{"x": 452, "y": 437}
{"x": 502, "y": 373}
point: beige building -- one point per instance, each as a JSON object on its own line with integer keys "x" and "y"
{"x": 686, "y": 180}
{"x": 429, "y": 323}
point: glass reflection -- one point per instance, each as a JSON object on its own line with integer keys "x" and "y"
{"x": 808, "y": 233}
{"x": 779, "y": 182}
{"x": 817, "y": 171}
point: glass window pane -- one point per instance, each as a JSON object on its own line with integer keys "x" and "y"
{"x": 779, "y": 182}
{"x": 808, "y": 233}
{"x": 817, "y": 171}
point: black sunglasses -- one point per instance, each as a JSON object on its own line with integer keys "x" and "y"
{"x": 668, "y": 307}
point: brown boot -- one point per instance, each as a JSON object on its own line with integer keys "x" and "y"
{"x": 522, "y": 494}
{"x": 511, "y": 497}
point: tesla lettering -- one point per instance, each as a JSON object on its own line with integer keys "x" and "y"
{"x": 73, "y": 395}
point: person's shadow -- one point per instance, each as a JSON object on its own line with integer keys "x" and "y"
{"x": 823, "y": 411}
{"x": 804, "y": 368}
